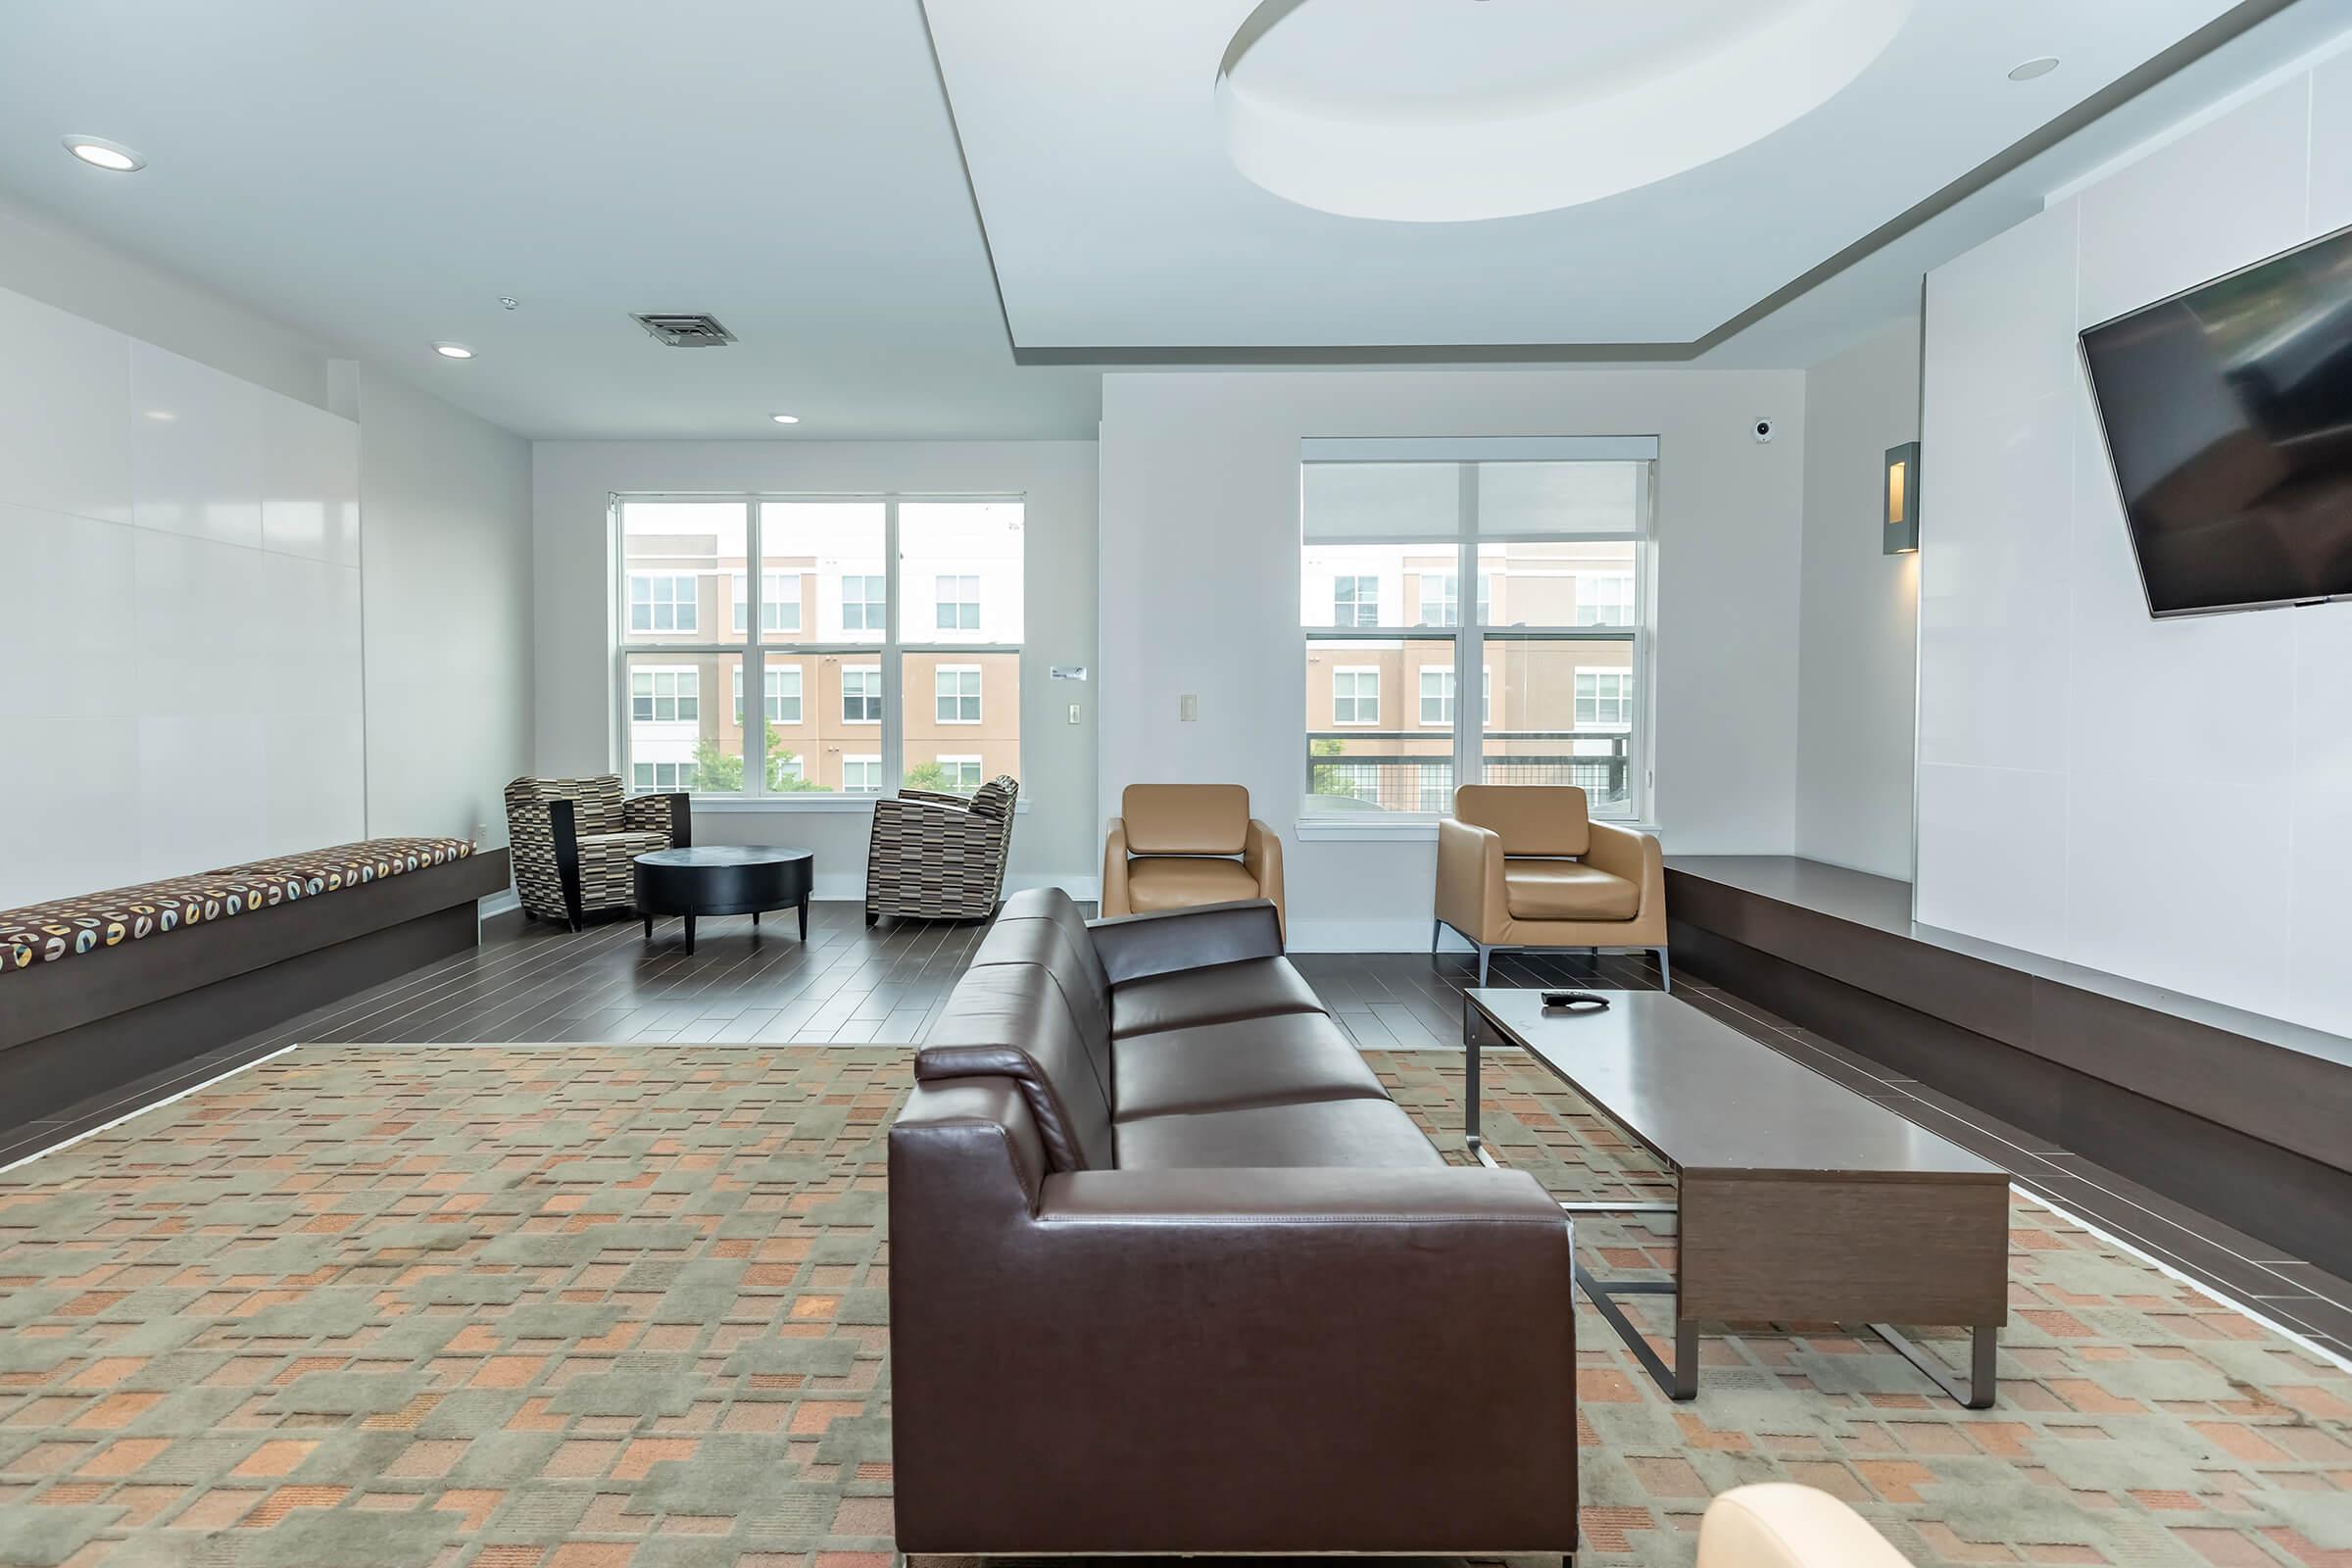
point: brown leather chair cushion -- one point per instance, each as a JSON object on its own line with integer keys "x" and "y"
{"x": 1331, "y": 1132}
{"x": 1186, "y": 819}
{"x": 1567, "y": 889}
{"x": 1171, "y": 882}
{"x": 1294, "y": 1057}
{"x": 1253, "y": 988}
{"x": 1528, "y": 818}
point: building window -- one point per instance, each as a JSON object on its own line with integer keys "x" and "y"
{"x": 665, "y": 696}
{"x": 1549, "y": 537}
{"x": 819, "y": 605}
{"x": 1605, "y": 699}
{"x": 1436, "y": 696}
{"x": 667, "y": 778}
{"x": 779, "y": 601}
{"x": 1356, "y": 600}
{"x": 957, "y": 775}
{"x": 865, "y": 604}
{"x": 956, "y": 603}
{"x": 957, "y": 688}
{"x": 1605, "y": 599}
{"x": 661, "y": 602}
{"x": 861, "y": 694}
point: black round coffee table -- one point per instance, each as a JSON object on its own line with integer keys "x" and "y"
{"x": 721, "y": 879}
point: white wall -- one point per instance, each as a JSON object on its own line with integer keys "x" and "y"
{"x": 1054, "y": 839}
{"x": 1858, "y": 656}
{"x": 2169, "y": 801}
{"x": 1200, "y": 584}
{"x": 448, "y": 588}
{"x": 182, "y": 599}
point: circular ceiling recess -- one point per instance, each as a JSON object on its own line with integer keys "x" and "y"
{"x": 1450, "y": 110}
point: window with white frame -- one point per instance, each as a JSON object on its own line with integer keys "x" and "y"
{"x": 1356, "y": 600}
{"x": 1551, "y": 535}
{"x": 779, "y": 601}
{"x": 865, "y": 604}
{"x": 957, "y": 690}
{"x": 926, "y": 565}
{"x": 662, "y": 601}
{"x": 663, "y": 777}
{"x": 955, "y": 603}
{"x": 959, "y": 775}
{"x": 861, "y": 694}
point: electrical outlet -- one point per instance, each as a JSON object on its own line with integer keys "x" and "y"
{"x": 1073, "y": 712}
{"x": 1188, "y": 709}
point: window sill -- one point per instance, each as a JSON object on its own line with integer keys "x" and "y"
{"x": 1397, "y": 827}
{"x": 812, "y": 803}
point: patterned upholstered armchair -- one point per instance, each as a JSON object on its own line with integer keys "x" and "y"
{"x": 574, "y": 838}
{"x": 939, "y": 856}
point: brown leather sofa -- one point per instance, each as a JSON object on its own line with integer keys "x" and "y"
{"x": 1173, "y": 845}
{"x": 1170, "y": 1273}
{"x": 1523, "y": 865}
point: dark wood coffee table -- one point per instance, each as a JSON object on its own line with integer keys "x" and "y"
{"x": 721, "y": 879}
{"x": 1797, "y": 1201}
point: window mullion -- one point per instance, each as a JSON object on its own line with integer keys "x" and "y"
{"x": 894, "y": 695}
{"x": 1469, "y": 638}
{"x": 755, "y": 655}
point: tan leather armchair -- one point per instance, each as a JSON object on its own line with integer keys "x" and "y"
{"x": 1778, "y": 1525}
{"x": 1174, "y": 846}
{"x": 1523, "y": 865}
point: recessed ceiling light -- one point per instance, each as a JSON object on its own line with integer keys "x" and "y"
{"x": 2041, "y": 66}
{"x": 453, "y": 351}
{"x": 99, "y": 153}
{"x": 785, "y": 418}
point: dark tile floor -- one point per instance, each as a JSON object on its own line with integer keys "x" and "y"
{"x": 854, "y": 985}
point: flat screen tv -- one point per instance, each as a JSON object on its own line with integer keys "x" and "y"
{"x": 2227, "y": 412}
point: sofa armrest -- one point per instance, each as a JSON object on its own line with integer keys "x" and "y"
{"x": 1635, "y": 857}
{"x": 1134, "y": 946}
{"x": 1114, "y": 869}
{"x": 1470, "y": 892}
{"x": 1246, "y": 1311}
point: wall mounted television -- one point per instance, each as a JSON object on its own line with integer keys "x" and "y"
{"x": 2227, "y": 415}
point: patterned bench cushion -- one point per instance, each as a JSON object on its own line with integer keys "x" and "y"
{"x": 42, "y": 933}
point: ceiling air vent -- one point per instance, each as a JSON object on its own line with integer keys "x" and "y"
{"x": 682, "y": 332}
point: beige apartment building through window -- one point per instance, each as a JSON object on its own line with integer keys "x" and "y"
{"x": 1552, "y": 537}
{"x": 887, "y": 649}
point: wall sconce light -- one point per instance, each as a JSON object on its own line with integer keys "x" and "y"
{"x": 1901, "y": 534}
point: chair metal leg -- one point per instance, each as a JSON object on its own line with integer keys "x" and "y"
{"x": 1665, "y": 969}
{"x": 1436, "y": 929}
{"x": 1485, "y": 952}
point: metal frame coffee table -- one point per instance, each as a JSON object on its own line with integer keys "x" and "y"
{"x": 1797, "y": 1201}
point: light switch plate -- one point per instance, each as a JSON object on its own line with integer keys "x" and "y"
{"x": 1188, "y": 709}
{"x": 1073, "y": 712}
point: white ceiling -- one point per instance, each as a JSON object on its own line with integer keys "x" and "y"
{"x": 1118, "y": 220}
{"x": 379, "y": 175}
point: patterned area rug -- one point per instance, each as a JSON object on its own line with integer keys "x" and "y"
{"x": 577, "y": 1307}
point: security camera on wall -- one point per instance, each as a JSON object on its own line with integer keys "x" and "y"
{"x": 1761, "y": 429}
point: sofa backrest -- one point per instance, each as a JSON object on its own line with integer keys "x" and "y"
{"x": 1185, "y": 819}
{"x": 1541, "y": 819}
{"x": 1010, "y": 1008}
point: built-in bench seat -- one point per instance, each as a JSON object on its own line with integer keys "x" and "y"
{"x": 62, "y": 928}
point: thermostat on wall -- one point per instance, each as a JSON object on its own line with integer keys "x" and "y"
{"x": 1069, "y": 673}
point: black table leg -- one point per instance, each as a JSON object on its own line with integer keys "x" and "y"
{"x": 804, "y": 919}
{"x": 689, "y": 936}
{"x": 649, "y": 928}
{"x": 755, "y": 919}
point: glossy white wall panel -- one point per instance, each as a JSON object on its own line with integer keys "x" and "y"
{"x": 63, "y": 381}
{"x": 310, "y": 800}
{"x": 310, "y": 640}
{"x": 2320, "y": 820}
{"x": 2001, "y": 320}
{"x": 2331, "y": 145}
{"x": 199, "y": 610}
{"x": 2229, "y": 193}
{"x": 311, "y": 481}
{"x": 196, "y": 448}
{"x": 201, "y": 793}
{"x": 74, "y": 833}
{"x": 65, "y": 616}
{"x": 1991, "y": 855}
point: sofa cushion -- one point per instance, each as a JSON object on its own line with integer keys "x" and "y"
{"x": 1528, "y": 818}
{"x": 1252, "y": 987}
{"x": 1185, "y": 819}
{"x": 1331, "y": 1132}
{"x": 1175, "y": 882}
{"x": 1019, "y": 1006}
{"x": 1254, "y": 1062}
{"x": 1567, "y": 889}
